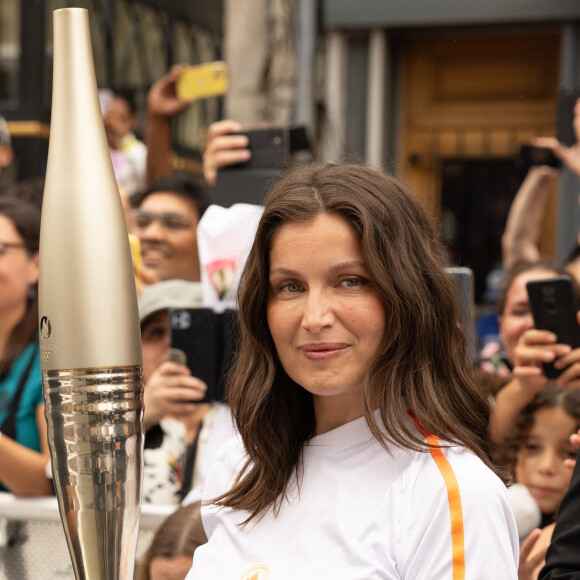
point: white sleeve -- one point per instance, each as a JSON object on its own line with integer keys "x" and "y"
{"x": 216, "y": 430}
{"x": 229, "y": 460}
{"x": 490, "y": 540}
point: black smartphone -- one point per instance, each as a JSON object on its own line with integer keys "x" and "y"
{"x": 531, "y": 155}
{"x": 204, "y": 341}
{"x": 248, "y": 182}
{"x": 272, "y": 150}
{"x": 272, "y": 147}
{"x": 554, "y": 306}
{"x": 269, "y": 147}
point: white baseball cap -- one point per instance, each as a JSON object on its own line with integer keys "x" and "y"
{"x": 169, "y": 294}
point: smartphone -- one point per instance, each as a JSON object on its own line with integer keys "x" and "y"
{"x": 204, "y": 341}
{"x": 554, "y": 306}
{"x": 203, "y": 81}
{"x": 269, "y": 147}
{"x": 531, "y": 155}
{"x": 248, "y": 182}
{"x": 271, "y": 150}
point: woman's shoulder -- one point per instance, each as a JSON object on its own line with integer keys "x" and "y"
{"x": 228, "y": 461}
{"x": 455, "y": 461}
{"x": 452, "y": 495}
{"x": 454, "y": 470}
{"x": 220, "y": 421}
{"x": 231, "y": 453}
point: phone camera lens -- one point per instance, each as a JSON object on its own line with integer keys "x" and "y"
{"x": 548, "y": 291}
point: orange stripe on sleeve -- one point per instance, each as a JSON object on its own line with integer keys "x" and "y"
{"x": 454, "y": 497}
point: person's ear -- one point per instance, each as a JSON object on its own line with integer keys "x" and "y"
{"x": 6, "y": 156}
{"x": 33, "y": 269}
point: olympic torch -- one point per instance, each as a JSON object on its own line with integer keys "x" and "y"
{"x": 89, "y": 326}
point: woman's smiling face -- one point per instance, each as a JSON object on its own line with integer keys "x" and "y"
{"x": 325, "y": 315}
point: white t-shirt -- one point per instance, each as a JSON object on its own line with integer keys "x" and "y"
{"x": 361, "y": 514}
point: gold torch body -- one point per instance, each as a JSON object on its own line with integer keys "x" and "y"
{"x": 89, "y": 326}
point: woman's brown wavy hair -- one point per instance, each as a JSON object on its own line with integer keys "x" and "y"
{"x": 422, "y": 362}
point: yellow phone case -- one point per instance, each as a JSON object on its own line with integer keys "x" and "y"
{"x": 135, "y": 246}
{"x": 202, "y": 81}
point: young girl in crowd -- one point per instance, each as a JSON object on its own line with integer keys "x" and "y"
{"x": 363, "y": 446}
{"x": 540, "y": 444}
{"x": 172, "y": 548}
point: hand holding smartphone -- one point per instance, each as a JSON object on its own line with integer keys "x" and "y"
{"x": 554, "y": 307}
{"x": 531, "y": 155}
{"x": 204, "y": 341}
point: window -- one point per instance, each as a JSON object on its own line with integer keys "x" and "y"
{"x": 9, "y": 50}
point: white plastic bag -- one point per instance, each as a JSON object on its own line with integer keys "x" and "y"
{"x": 224, "y": 239}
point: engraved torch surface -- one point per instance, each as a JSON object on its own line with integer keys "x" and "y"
{"x": 96, "y": 441}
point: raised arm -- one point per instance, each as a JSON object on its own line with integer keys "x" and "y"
{"x": 570, "y": 156}
{"x": 521, "y": 237}
{"x": 162, "y": 105}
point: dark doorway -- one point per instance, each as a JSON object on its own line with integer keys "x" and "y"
{"x": 476, "y": 195}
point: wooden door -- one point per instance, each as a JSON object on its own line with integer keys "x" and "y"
{"x": 476, "y": 95}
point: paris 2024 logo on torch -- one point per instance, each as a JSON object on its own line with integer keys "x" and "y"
{"x": 45, "y": 327}
{"x": 46, "y": 347}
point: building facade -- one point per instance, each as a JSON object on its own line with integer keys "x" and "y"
{"x": 444, "y": 93}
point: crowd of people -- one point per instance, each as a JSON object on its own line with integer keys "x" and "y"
{"x": 357, "y": 440}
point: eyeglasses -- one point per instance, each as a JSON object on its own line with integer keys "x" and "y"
{"x": 5, "y": 246}
{"x": 169, "y": 220}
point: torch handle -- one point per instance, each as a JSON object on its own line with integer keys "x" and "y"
{"x": 96, "y": 442}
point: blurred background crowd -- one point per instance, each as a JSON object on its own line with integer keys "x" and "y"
{"x": 449, "y": 96}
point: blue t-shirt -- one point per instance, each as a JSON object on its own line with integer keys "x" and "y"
{"x": 25, "y": 419}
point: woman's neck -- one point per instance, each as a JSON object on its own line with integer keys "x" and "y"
{"x": 334, "y": 411}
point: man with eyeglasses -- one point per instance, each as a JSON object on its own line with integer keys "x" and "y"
{"x": 165, "y": 220}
